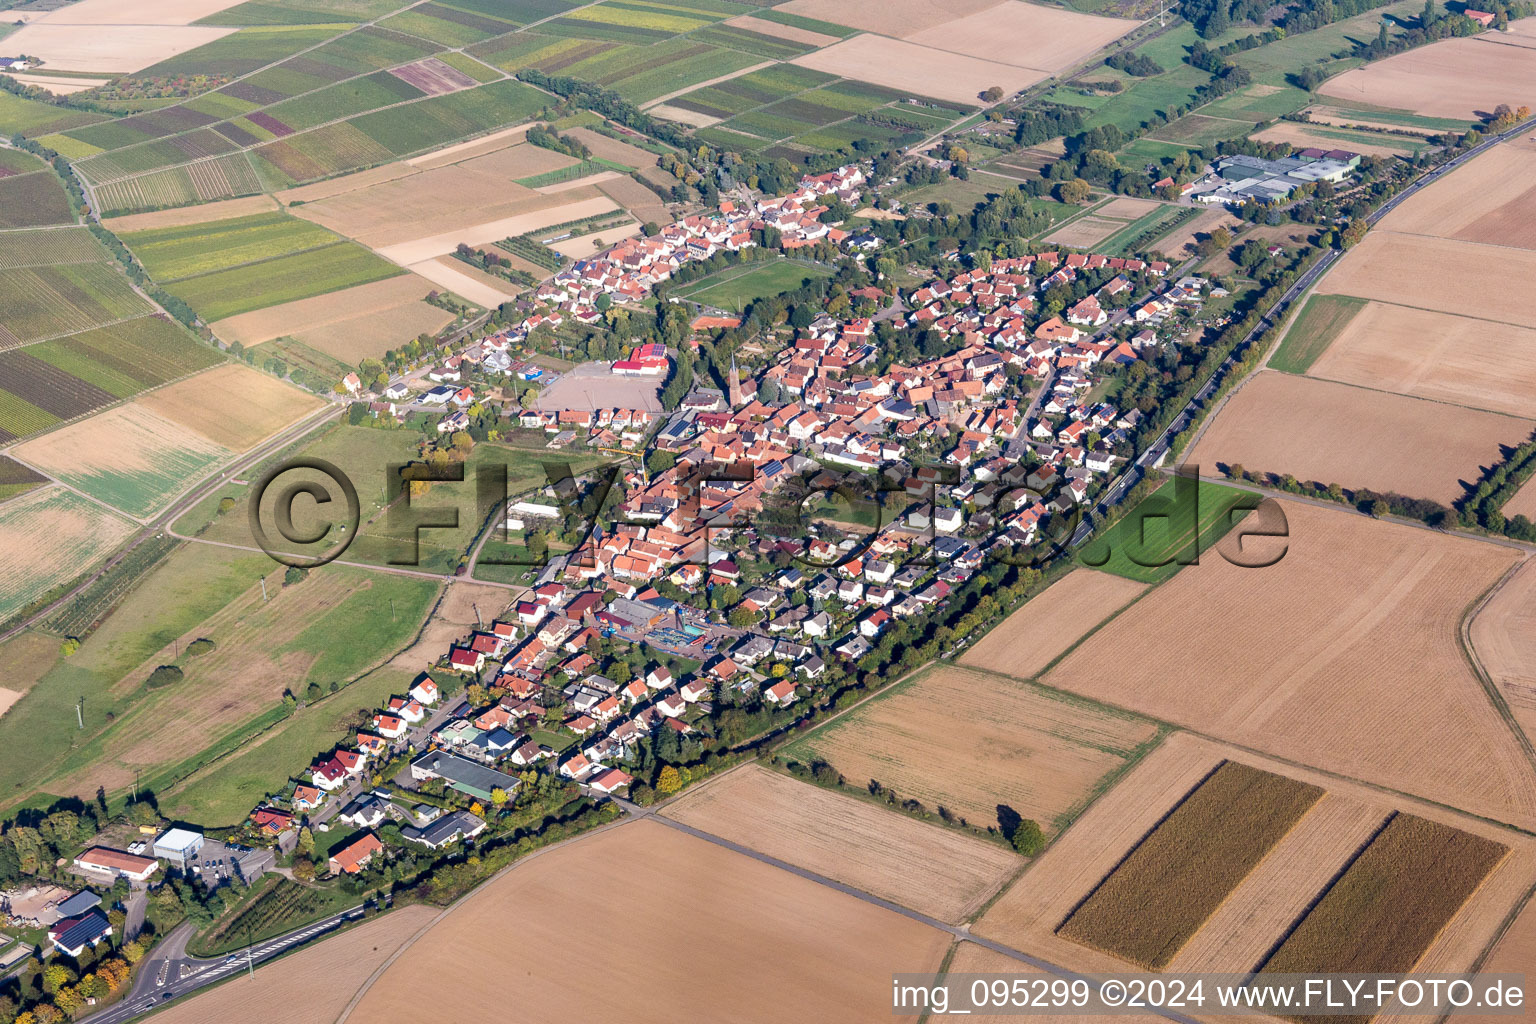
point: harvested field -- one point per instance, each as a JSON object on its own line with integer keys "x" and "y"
{"x": 894, "y": 18}
{"x": 896, "y": 64}
{"x": 187, "y": 215}
{"x": 346, "y": 183}
{"x": 1456, "y": 78}
{"x": 773, "y": 28}
{"x": 1047, "y": 625}
{"x": 1181, "y": 241}
{"x": 688, "y": 117}
{"x": 121, "y": 12}
{"x": 1124, "y": 208}
{"x": 585, "y": 246}
{"x": 538, "y": 211}
{"x": 831, "y": 955}
{"x": 1300, "y": 136}
{"x": 60, "y": 85}
{"x": 606, "y": 148}
{"x": 232, "y": 405}
{"x": 1026, "y": 35}
{"x": 1334, "y": 433}
{"x": 1386, "y": 909}
{"x": 970, "y": 741}
{"x": 445, "y": 200}
{"x": 1184, "y": 869}
{"x": 1515, "y": 951}
{"x": 929, "y": 868}
{"x": 319, "y": 980}
{"x": 640, "y": 201}
{"x": 125, "y": 48}
{"x": 8, "y": 698}
{"x": 1523, "y": 503}
{"x": 1436, "y": 356}
{"x": 1276, "y": 893}
{"x": 1260, "y": 910}
{"x": 50, "y": 536}
{"x": 1503, "y": 636}
{"x": 1356, "y": 609}
{"x": 352, "y": 324}
{"x": 128, "y": 457}
{"x": 1489, "y": 199}
{"x": 1084, "y": 232}
{"x": 1390, "y": 267}
{"x": 481, "y": 146}
{"x": 465, "y": 281}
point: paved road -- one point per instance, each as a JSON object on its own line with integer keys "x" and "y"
{"x": 169, "y": 973}
{"x": 1155, "y": 452}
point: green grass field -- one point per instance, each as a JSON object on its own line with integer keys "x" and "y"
{"x": 1320, "y": 321}
{"x": 325, "y": 629}
{"x": 1174, "y": 879}
{"x": 313, "y": 272}
{"x": 21, "y": 116}
{"x": 173, "y": 253}
{"x": 735, "y": 289}
{"x": 1158, "y": 532}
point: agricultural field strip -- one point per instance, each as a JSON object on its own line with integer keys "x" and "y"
{"x": 285, "y": 99}
{"x": 828, "y": 126}
{"x": 70, "y": 334}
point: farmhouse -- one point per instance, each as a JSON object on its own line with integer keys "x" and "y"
{"x": 115, "y": 863}
{"x": 462, "y": 774}
{"x": 356, "y": 855}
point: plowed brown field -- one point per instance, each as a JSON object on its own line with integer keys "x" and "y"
{"x": 929, "y": 868}
{"x": 1437, "y": 356}
{"x": 1334, "y": 433}
{"x": 1503, "y": 633}
{"x": 970, "y": 740}
{"x": 1035, "y": 635}
{"x": 1343, "y": 655}
{"x": 689, "y": 931}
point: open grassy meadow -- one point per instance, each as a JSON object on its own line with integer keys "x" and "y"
{"x": 1320, "y": 321}
{"x": 736, "y": 289}
{"x": 324, "y": 630}
{"x": 1173, "y": 527}
{"x": 1176, "y": 877}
